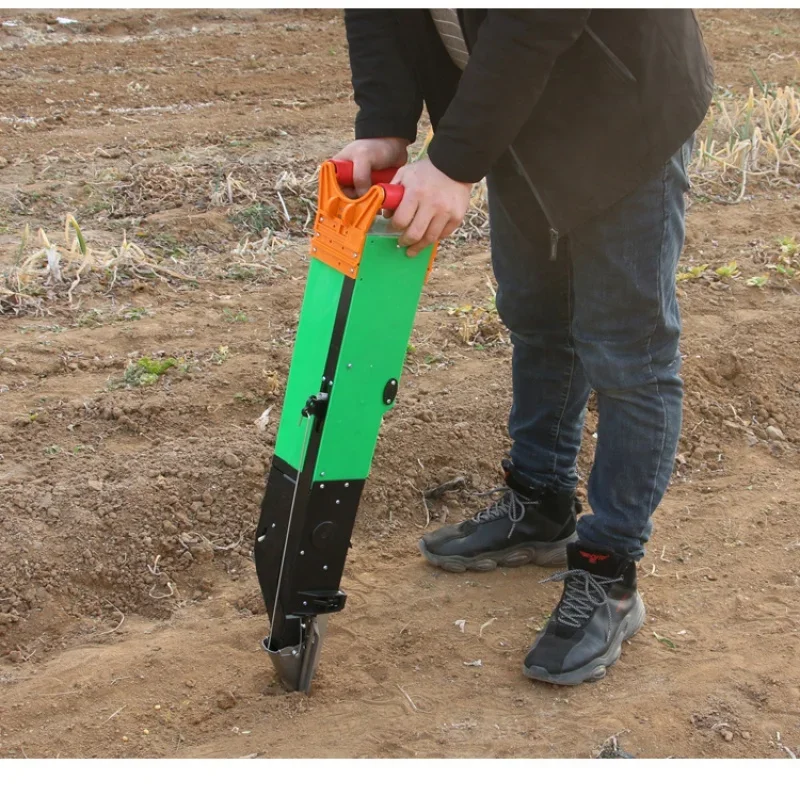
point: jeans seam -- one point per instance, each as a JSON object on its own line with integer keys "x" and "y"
{"x": 571, "y": 376}
{"x": 660, "y": 297}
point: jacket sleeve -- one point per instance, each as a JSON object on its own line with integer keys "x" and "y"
{"x": 385, "y": 86}
{"x": 507, "y": 72}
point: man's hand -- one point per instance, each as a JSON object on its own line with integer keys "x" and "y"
{"x": 371, "y": 154}
{"x": 433, "y": 206}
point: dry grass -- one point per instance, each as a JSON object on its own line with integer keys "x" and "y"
{"x": 746, "y": 142}
{"x": 54, "y": 270}
{"x": 210, "y": 182}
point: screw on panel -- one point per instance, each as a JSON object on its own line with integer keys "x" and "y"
{"x": 347, "y": 486}
{"x": 349, "y": 366}
{"x": 325, "y": 567}
{"x": 322, "y": 486}
{"x": 322, "y": 474}
{"x": 338, "y": 502}
{"x": 302, "y": 552}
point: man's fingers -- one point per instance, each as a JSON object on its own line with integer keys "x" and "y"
{"x": 362, "y": 181}
{"x": 405, "y": 212}
{"x": 434, "y": 232}
{"x": 450, "y": 228}
{"x": 416, "y": 230}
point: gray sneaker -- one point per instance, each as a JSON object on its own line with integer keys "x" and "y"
{"x": 599, "y": 609}
{"x": 526, "y": 525}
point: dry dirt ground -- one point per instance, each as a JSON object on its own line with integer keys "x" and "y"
{"x": 130, "y": 617}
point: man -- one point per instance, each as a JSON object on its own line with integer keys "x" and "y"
{"x": 581, "y": 121}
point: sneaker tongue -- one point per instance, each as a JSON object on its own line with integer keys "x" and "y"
{"x": 595, "y": 560}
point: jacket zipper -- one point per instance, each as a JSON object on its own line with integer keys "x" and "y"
{"x": 554, "y": 234}
{"x": 618, "y": 65}
{"x": 614, "y": 59}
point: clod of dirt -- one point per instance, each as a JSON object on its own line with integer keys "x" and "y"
{"x": 252, "y": 467}
{"x": 729, "y": 367}
{"x": 775, "y": 433}
{"x": 96, "y": 485}
{"x": 45, "y": 501}
{"x": 203, "y": 551}
{"x": 226, "y": 700}
{"x": 231, "y": 460}
{"x": 7, "y": 364}
{"x": 8, "y": 619}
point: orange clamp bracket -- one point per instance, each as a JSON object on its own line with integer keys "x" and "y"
{"x": 342, "y": 224}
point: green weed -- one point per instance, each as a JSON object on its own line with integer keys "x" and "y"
{"x": 147, "y": 371}
{"x": 693, "y": 273}
{"x": 230, "y": 316}
{"x": 730, "y": 270}
{"x": 256, "y": 218}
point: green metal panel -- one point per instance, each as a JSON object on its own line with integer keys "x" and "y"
{"x": 378, "y": 329}
{"x": 317, "y": 316}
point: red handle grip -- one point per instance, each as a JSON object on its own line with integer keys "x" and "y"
{"x": 344, "y": 174}
{"x": 393, "y": 192}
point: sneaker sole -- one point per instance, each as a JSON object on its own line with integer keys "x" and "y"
{"x": 550, "y": 554}
{"x": 596, "y": 669}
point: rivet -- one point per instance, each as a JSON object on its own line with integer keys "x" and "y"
{"x": 294, "y": 652}
{"x": 338, "y": 502}
{"x": 355, "y": 255}
{"x": 305, "y": 603}
{"x": 347, "y": 486}
{"x": 302, "y": 552}
{"x": 261, "y": 538}
{"x": 322, "y": 486}
{"x": 325, "y": 567}
{"x": 330, "y": 383}
{"x": 388, "y": 402}
{"x": 273, "y": 524}
{"x": 394, "y": 383}
{"x": 322, "y": 219}
{"x": 349, "y": 366}
{"x": 322, "y": 474}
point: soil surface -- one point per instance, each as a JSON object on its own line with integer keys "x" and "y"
{"x": 130, "y": 615}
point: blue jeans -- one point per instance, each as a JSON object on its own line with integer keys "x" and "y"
{"x": 604, "y": 317}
